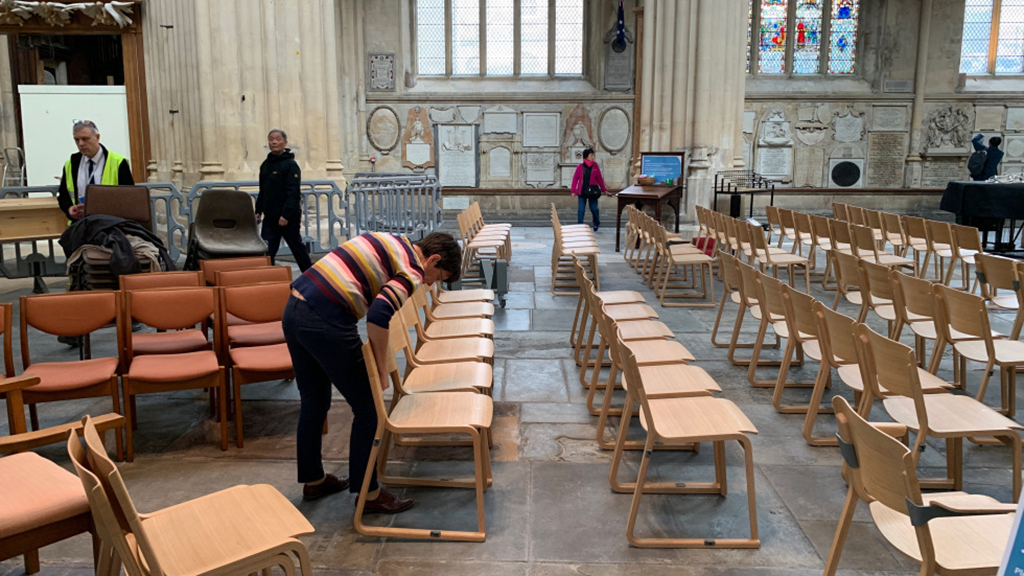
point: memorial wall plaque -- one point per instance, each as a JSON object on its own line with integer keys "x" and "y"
{"x": 469, "y": 113}
{"x": 613, "y": 131}
{"x": 500, "y": 162}
{"x": 457, "y": 158}
{"x": 540, "y": 168}
{"x": 418, "y": 140}
{"x": 748, "y": 121}
{"x": 380, "y": 72}
{"x": 1015, "y": 119}
{"x": 988, "y": 118}
{"x": 774, "y": 161}
{"x": 614, "y": 172}
{"x": 442, "y": 115}
{"x": 500, "y": 120}
{"x": 886, "y": 154}
{"x": 940, "y": 171}
{"x": 845, "y": 173}
{"x": 889, "y": 118}
{"x": 382, "y": 129}
{"x": 1014, "y": 146}
{"x": 540, "y": 129}
{"x": 809, "y": 166}
{"x": 848, "y": 127}
{"x": 1012, "y": 168}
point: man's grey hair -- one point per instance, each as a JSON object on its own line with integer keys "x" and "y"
{"x": 80, "y": 124}
{"x": 278, "y": 131}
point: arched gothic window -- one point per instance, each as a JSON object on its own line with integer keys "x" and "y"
{"x": 798, "y": 37}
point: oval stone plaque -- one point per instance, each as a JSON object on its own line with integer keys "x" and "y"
{"x": 845, "y": 174}
{"x": 614, "y": 129}
{"x": 383, "y": 129}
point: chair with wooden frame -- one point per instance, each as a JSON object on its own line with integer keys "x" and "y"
{"x": 849, "y": 285}
{"x": 916, "y": 230}
{"x": 748, "y": 302}
{"x": 840, "y": 211}
{"x": 739, "y": 240}
{"x": 865, "y": 247}
{"x": 564, "y": 252}
{"x": 463, "y": 413}
{"x": 878, "y": 294}
{"x": 802, "y": 328}
{"x": 835, "y": 339}
{"x": 822, "y": 236}
{"x": 71, "y": 314}
{"x": 995, "y": 273}
{"x": 464, "y": 376}
{"x": 453, "y": 310}
{"x": 166, "y": 342}
{"x": 432, "y": 328}
{"x": 789, "y": 229}
{"x": 7, "y": 334}
{"x": 677, "y": 262}
{"x": 940, "y": 244}
{"x": 773, "y": 313}
{"x": 892, "y": 229}
{"x": 839, "y": 232}
{"x": 966, "y": 247}
{"x": 41, "y": 503}
{"x": 259, "y": 304}
{"x": 478, "y": 247}
{"x": 890, "y": 371}
{"x": 915, "y": 306}
{"x": 771, "y": 213}
{"x": 805, "y": 232}
{"x": 170, "y": 309}
{"x": 874, "y": 222}
{"x": 584, "y": 315}
{"x": 475, "y": 219}
{"x": 665, "y": 249}
{"x": 857, "y": 215}
{"x": 968, "y": 315}
{"x": 241, "y": 332}
{"x": 441, "y": 351}
{"x": 442, "y": 296}
{"x": 209, "y": 268}
{"x": 683, "y": 422}
{"x": 730, "y": 293}
{"x": 240, "y": 530}
{"x": 948, "y": 532}
{"x": 766, "y": 259}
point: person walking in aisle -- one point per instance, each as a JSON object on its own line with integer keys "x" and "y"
{"x": 587, "y": 186}
{"x": 279, "y": 201}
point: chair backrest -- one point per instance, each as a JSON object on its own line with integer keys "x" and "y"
{"x": 172, "y": 279}
{"x": 888, "y": 364}
{"x": 996, "y": 273}
{"x": 939, "y": 233}
{"x": 963, "y": 312}
{"x": 748, "y": 283}
{"x": 8, "y": 335}
{"x": 863, "y": 241}
{"x": 788, "y": 222}
{"x": 835, "y": 335}
{"x": 857, "y": 215}
{"x": 166, "y": 309}
{"x": 774, "y": 220}
{"x": 803, "y": 324}
{"x": 915, "y": 227}
{"x": 840, "y": 232}
{"x": 840, "y": 211}
{"x": 375, "y": 383}
{"x": 914, "y": 295}
{"x": 211, "y": 267}
{"x": 892, "y": 227}
{"x": 802, "y": 221}
{"x": 128, "y": 202}
{"x": 847, "y": 271}
{"x": 966, "y": 237}
{"x": 879, "y": 282}
{"x": 770, "y": 296}
{"x": 821, "y": 231}
{"x": 874, "y": 219}
{"x": 67, "y": 314}
{"x": 253, "y": 275}
{"x": 257, "y": 303}
{"x": 730, "y": 274}
{"x": 754, "y": 234}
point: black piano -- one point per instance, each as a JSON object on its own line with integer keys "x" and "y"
{"x": 986, "y": 206}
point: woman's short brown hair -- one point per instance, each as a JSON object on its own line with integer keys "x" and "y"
{"x": 444, "y": 245}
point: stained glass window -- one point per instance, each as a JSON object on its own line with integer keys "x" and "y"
{"x": 465, "y": 37}
{"x": 750, "y": 27}
{"x": 500, "y": 41}
{"x": 842, "y": 50}
{"x": 569, "y": 37}
{"x": 772, "y": 51}
{"x": 807, "y": 37}
{"x": 430, "y": 24}
{"x": 993, "y": 37}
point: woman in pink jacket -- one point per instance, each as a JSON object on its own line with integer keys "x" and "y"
{"x": 588, "y": 185}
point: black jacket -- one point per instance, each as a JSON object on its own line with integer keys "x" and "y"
{"x": 993, "y": 157}
{"x": 109, "y": 232}
{"x": 279, "y": 188}
{"x": 64, "y": 199}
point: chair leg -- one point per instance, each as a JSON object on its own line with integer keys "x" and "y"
{"x": 118, "y": 439}
{"x": 839, "y": 540}
{"x": 222, "y": 384}
{"x": 237, "y": 392}
{"x": 129, "y": 411}
{"x": 814, "y": 408}
{"x": 33, "y": 416}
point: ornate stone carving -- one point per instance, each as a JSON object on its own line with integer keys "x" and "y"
{"x": 810, "y": 130}
{"x": 948, "y": 128}
{"x": 442, "y": 115}
{"x": 848, "y": 126}
{"x": 775, "y": 130}
{"x": 469, "y": 113}
{"x": 579, "y": 132}
{"x": 418, "y": 141}
{"x": 380, "y": 72}
{"x": 382, "y": 129}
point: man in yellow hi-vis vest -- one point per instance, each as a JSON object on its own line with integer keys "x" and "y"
{"x": 93, "y": 164}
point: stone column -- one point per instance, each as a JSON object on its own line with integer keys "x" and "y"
{"x": 693, "y": 78}
{"x": 351, "y": 94}
{"x": 211, "y": 166}
{"x": 914, "y": 161}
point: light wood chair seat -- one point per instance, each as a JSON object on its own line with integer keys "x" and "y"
{"x": 644, "y": 330}
{"x": 675, "y": 381}
{"x": 460, "y": 328}
{"x": 1007, "y": 351}
{"x": 704, "y": 418}
{"x": 1008, "y": 302}
{"x": 443, "y": 412}
{"x": 463, "y": 310}
{"x": 624, "y": 312}
{"x": 812, "y": 349}
{"x": 930, "y": 383}
{"x": 455, "y": 376}
{"x": 455, "y": 350}
{"x": 786, "y": 258}
{"x": 610, "y": 297}
{"x": 972, "y": 544}
{"x": 568, "y": 250}
{"x": 485, "y": 243}
{"x": 172, "y": 342}
{"x": 950, "y": 414}
{"x": 889, "y": 260}
{"x": 662, "y": 352}
{"x": 456, "y": 296}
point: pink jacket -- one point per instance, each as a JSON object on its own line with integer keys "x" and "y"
{"x": 595, "y": 178}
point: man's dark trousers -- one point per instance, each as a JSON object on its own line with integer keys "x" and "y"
{"x": 272, "y": 233}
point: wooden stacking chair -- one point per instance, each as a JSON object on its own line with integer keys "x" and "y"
{"x": 462, "y": 413}
{"x": 840, "y": 211}
{"x": 461, "y": 376}
{"x": 822, "y": 235}
{"x": 682, "y": 261}
{"x": 748, "y": 303}
{"x": 430, "y": 327}
{"x": 917, "y": 240}
{"x": 478, "y": 247}
{"x": 584, "y": 315}
{"x": 865, "y": 247}
{"x": 802, "y": 329}
{"x": 940, "y": 244}
{"x": 839, "y": 232}
{"x": 892, "y": 229}
{"x": 857, "y": 216}
{"x": 684, "y": 421}
{"x": 165, "y": 342}
{"x": 775, "y": 224}
{"x": 835, "y": 340}
{"x": 805, "y": 232}
{"x": 71, "y": 314}
{"x": 915, "y": 305}
{"x": 878, "y": 294}
{"x": 789, "y": 229}
{"x": 966, "y": 247}
{"x": 442, "y": 296}
{"x": 848, "y": 281}
{"x": 565, "y": 251}
{"x": 890, "y": 371}
{"x": 873, "y": 220}
{"x": 948, "y": 533}
{"x": 967, "y": 315}
{"x": 443, "y": 350}
{"x": 730, "y": 293}
{"x": 773, "y": 313}
{"x": 240, "y": 530}
{"x": 170, "y": 309}
{"x": 766, "y": 259}
{"x": 452, "y": 311}
{"x": 40, "y": 503}
{"x": 209, "y": 268}
{"x": 995, "y": 273}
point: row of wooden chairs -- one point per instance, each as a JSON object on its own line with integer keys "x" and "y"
{"x": 572, "y": 242}
{"x": 482, "y": 241}
{"x": 673, "y": 268}
{"x": 445, "y": 389}
{"x": 678, "y": 410}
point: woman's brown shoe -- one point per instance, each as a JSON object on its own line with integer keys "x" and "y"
{"x": 387, "y": 503}
{"x": 330, "y": 485}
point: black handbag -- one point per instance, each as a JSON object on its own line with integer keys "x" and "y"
{"x": 592, "y": 192}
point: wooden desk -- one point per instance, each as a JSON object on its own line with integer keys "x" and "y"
{"x": 23, "y": 219}
{"x": 647, "y": 196}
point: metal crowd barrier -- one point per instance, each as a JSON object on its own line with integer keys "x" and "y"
{"x": 325, "y": 222}
{"x": 408, "y": 204}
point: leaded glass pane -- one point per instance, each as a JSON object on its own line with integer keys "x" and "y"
{"x": 430, "y": 37}
{"x": 1010, "y": 52}
{"x": 750, "y": 25}
{"x": 533, "y": 42}
{"x": 977, "y": 33}
{"x": 807, "y": 42}
{"x": 569, "y": 37}
{"x": 842, "y": 52}
{"x": 465, "y": 37}
{"x": 500, "y": 42}
{"x": 772, "y": 49}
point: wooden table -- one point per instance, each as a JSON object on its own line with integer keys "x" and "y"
{"x": 647, "y": 196}
{"x": 23, "y": 219}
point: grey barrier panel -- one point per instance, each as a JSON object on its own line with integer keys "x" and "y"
{"x": 174, "y": 230}
{"x": 320, "y": 237}
{"x": 35, "y": 262}
{"x": 399, "y": 203}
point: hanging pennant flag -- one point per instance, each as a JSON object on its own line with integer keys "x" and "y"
{"x": 619, "y": 44}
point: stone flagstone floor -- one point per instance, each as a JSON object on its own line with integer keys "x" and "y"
{"x": 550, "y": 511}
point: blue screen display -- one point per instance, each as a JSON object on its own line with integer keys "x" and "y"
{"x": 662, "y": 168}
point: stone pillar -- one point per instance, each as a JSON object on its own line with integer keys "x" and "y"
{"x": 211, "y": 165}
{"x": 914, "y": 162}
{"x": 351, "y": 92}
{"x": 693, "y": 78}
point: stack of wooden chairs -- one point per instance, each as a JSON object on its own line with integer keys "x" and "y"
{"x": 678, "y": 406}
{"x": 572, "y": 242}
{"x": 482, "y": 241}
{"x": 445, "y": 389}
{"x": 676, "y": 270}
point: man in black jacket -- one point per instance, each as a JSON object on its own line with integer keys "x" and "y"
{"x": 100, "y": 166}
{"x": 279, "y": 200}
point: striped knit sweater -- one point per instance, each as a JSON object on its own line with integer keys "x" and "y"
{"x": 370, "y": 275}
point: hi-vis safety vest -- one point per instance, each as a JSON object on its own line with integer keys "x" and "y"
{"x": 108, "y": 178}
